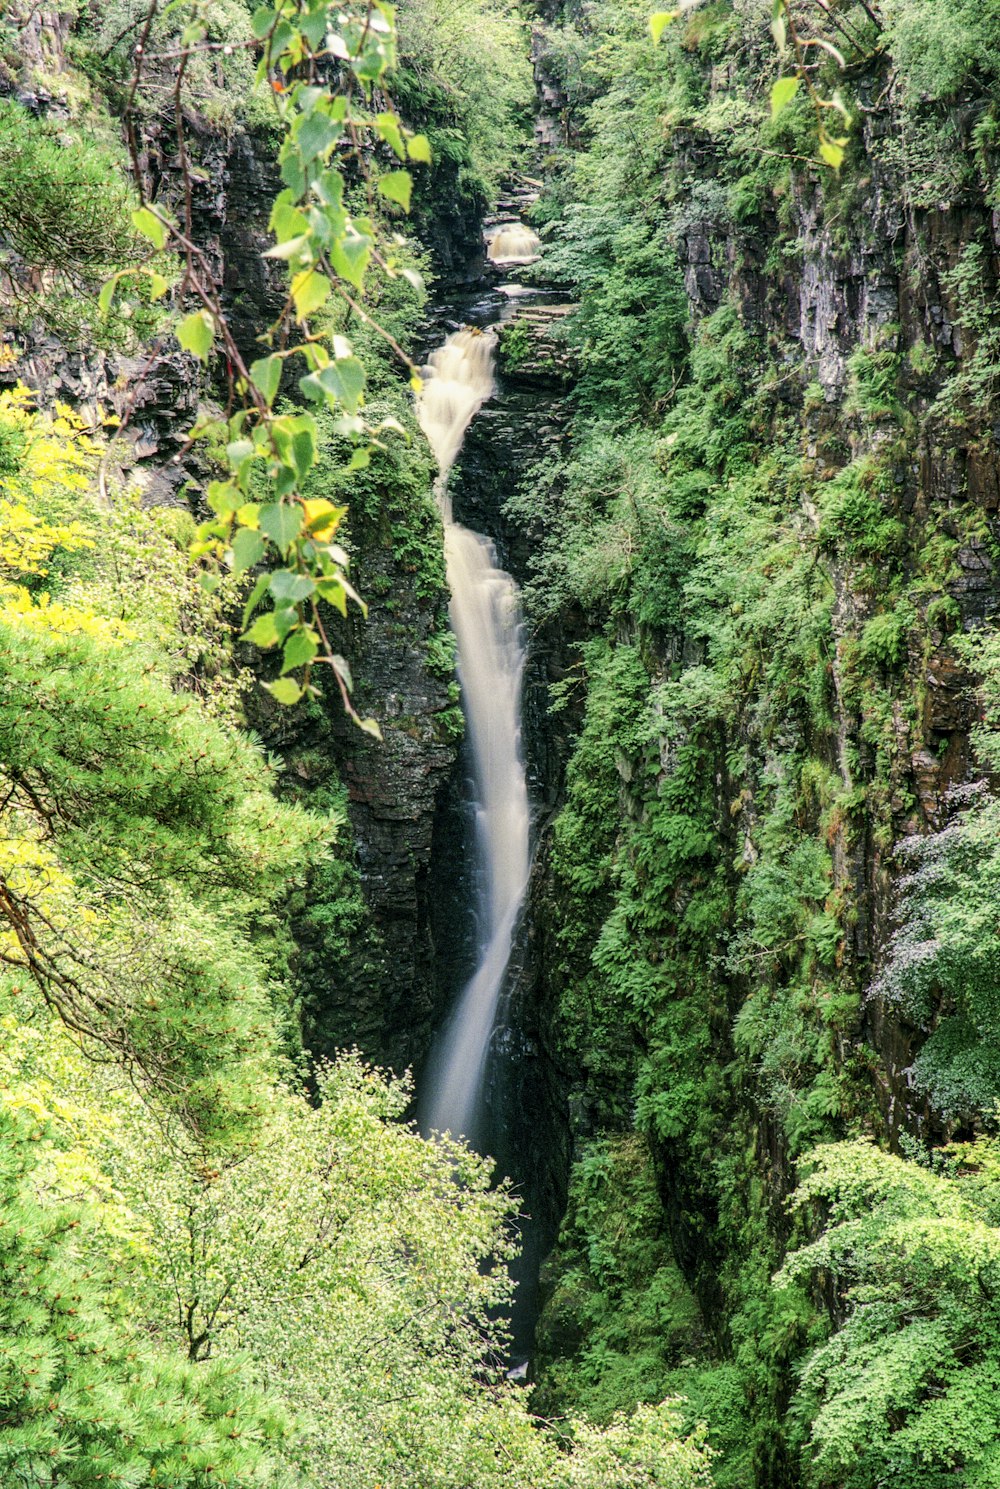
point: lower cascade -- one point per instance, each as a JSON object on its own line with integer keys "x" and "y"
{"x": 486, "y": 619}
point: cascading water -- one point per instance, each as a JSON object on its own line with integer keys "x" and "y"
{"x": 513, "y": 243}
{"x": 485, "y": 617}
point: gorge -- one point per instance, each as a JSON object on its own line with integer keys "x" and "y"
{"x": 499, "y": 741}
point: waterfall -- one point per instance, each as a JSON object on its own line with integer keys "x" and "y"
{"x": 513, "y": 243}
{"x": 485, "y": 617}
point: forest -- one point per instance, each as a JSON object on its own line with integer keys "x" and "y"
{"x": 499, "y": 744}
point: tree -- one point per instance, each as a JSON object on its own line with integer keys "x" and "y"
{"x": 84, "y": 1399}
{"x": 905, "y": 1390}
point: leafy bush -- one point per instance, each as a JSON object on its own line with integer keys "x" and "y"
{"x": 855, "y": 520}
{"x": 65, "y": 212}
{"x": 905, "y": 1390}
{"x": 86, "y": 1397}
{"x": 64, "y": 203}
{"x": 218, "y": 84}
{"x": 884, "y": 638}
{"x": 465, "y": 70}
{"x": 941, "y": 51}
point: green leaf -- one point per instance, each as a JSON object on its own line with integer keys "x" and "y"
{"x": 314, "y": 25}
{"x": 239, "y": 450}
{"x": 248, "y": 550}
{"x": 329, "y": 188}
{"x": 343, "y": 670}
{"x": 254, "y": 598}
{"x": 266, "y": 375}
{"x": 292, "y": 171}
{"x": 332, "y": 591}
{"x": 360, "y": 460}
{"x": 224, "y": 497}
{"x": 832, "y": 153}
{"x": 289, "y": 587}
{"x": 397, "y": 186}
{"x": 149, "y": 225}
{"x": 779, "y": 29}
{"x": 290, "y": 249}
{"x": 107, "y": 294}
{"x": 388, "y": 129}
{"x": 310, "y": 290}
{"x": 158, "y": 286}
{"x": 286, "y": 220}
{"x": 303, "y": 445}
{"x": 282, "y": 522}
{"x": 419, "y": 149}
{"x": 264, "y": 631}
{"x": 659, "y": 22}
{"x": 350, "y": 257}
{"x": 196, "y": 333}
{"x": 286, "y": 618}
{"x": 286, "y": 690}
{"x": 262, "y": 20}
{"x": 316, "y": 135}
{"x": 342, "y": 383}
{"x": 300, "y": 648}
{"x": 782, "y": 94}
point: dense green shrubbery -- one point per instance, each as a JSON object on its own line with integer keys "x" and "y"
{"x": 942, "y": 51}
{"x": 465, "y": 74}
{"x": 905, "y": 1390}
{"x": 64, "y": 203}
{"x": 65, "y": 221}
{"x": 86, "y": 1398}
{"x": 621, "y": 1318}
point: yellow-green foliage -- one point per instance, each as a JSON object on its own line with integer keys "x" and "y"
{"x": 469, "y": 59}
{"x": 45, "y": 465}
{"x": 137, "y": 831}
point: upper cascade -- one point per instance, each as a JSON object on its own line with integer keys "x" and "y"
{"x": 458, "y": 379}
{"x": 513, "y": 243}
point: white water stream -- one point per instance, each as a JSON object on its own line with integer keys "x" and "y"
{"x": 486, "y": 620}
{"x": 512, "y": 243}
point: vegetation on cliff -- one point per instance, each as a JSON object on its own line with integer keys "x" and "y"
{"x": 763, "y": 882}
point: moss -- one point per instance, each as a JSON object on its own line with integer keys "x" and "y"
{"x": 515, "y": 346}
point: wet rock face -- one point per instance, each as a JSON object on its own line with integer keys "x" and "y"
{"x": 397, "y": 794}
